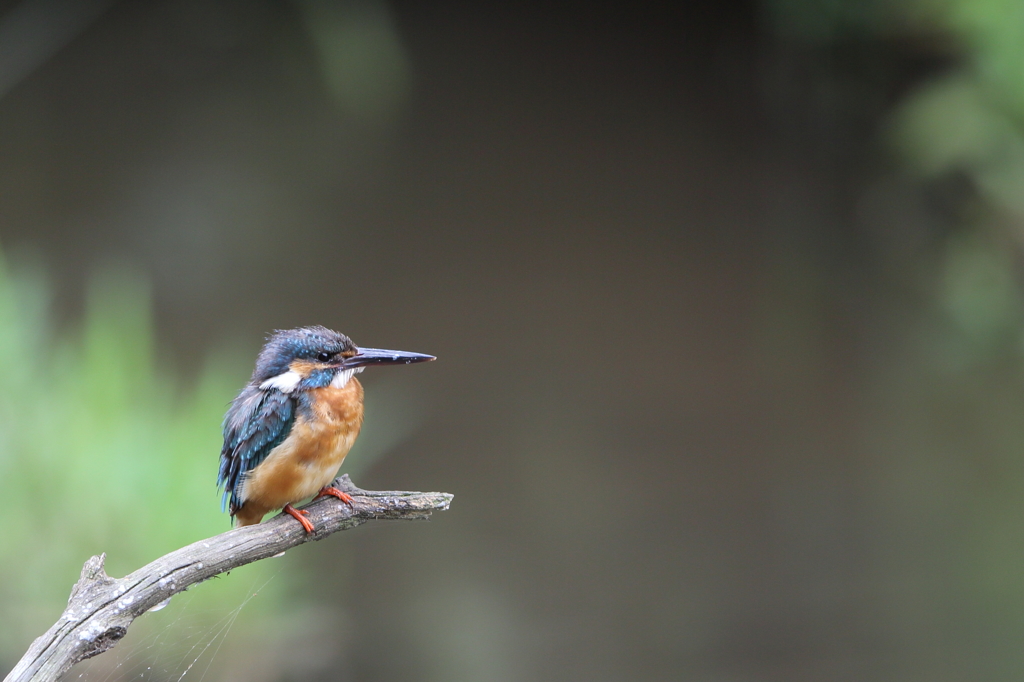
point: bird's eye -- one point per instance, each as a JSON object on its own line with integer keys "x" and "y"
{"x": 323, "y": 357}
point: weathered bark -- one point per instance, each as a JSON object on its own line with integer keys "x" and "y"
{"x": 101, "y": 608}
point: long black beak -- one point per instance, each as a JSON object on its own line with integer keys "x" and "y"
{"x": 378, "y": 356}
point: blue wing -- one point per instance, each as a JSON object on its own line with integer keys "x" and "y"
{"x": 255, "y": 424}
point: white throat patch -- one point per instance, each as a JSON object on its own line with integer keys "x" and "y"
{"x": 342, "y": 377}
{"x": 285, "y": 382}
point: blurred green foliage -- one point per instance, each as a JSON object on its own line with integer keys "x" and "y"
{"x": 965, "y": 120}
{"x": 362, "y": 60}
{"x": 102, "y": 449}
{"x": 970, "y": 118}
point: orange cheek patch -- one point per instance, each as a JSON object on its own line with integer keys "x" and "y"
{"x": 306, "y": 367}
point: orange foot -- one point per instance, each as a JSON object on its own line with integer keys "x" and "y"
{"x": 334, "y": 492}
{"x": 300, "y": 516}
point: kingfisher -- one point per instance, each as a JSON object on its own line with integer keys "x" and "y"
{"x": 289, "y": 429}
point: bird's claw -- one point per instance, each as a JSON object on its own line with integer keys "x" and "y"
{"x": 300, "y": 516}
{"x": 334, "y": 492}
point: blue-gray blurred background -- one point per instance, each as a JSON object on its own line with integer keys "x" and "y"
{"x": 727, "y": 300}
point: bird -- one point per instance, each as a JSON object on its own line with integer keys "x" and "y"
{"x": 290, "y": 428}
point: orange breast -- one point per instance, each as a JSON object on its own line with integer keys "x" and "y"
{"x": 309, "y": 457}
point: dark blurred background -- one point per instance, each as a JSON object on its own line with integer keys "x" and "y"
{"x": 727, "y": 300}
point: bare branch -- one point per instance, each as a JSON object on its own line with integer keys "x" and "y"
{"x": 101, "y": 608}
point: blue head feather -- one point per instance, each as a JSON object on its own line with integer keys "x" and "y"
{"x": 304, "y": 343}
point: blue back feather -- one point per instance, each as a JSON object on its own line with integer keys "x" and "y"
{"x": 257, "y": 422}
